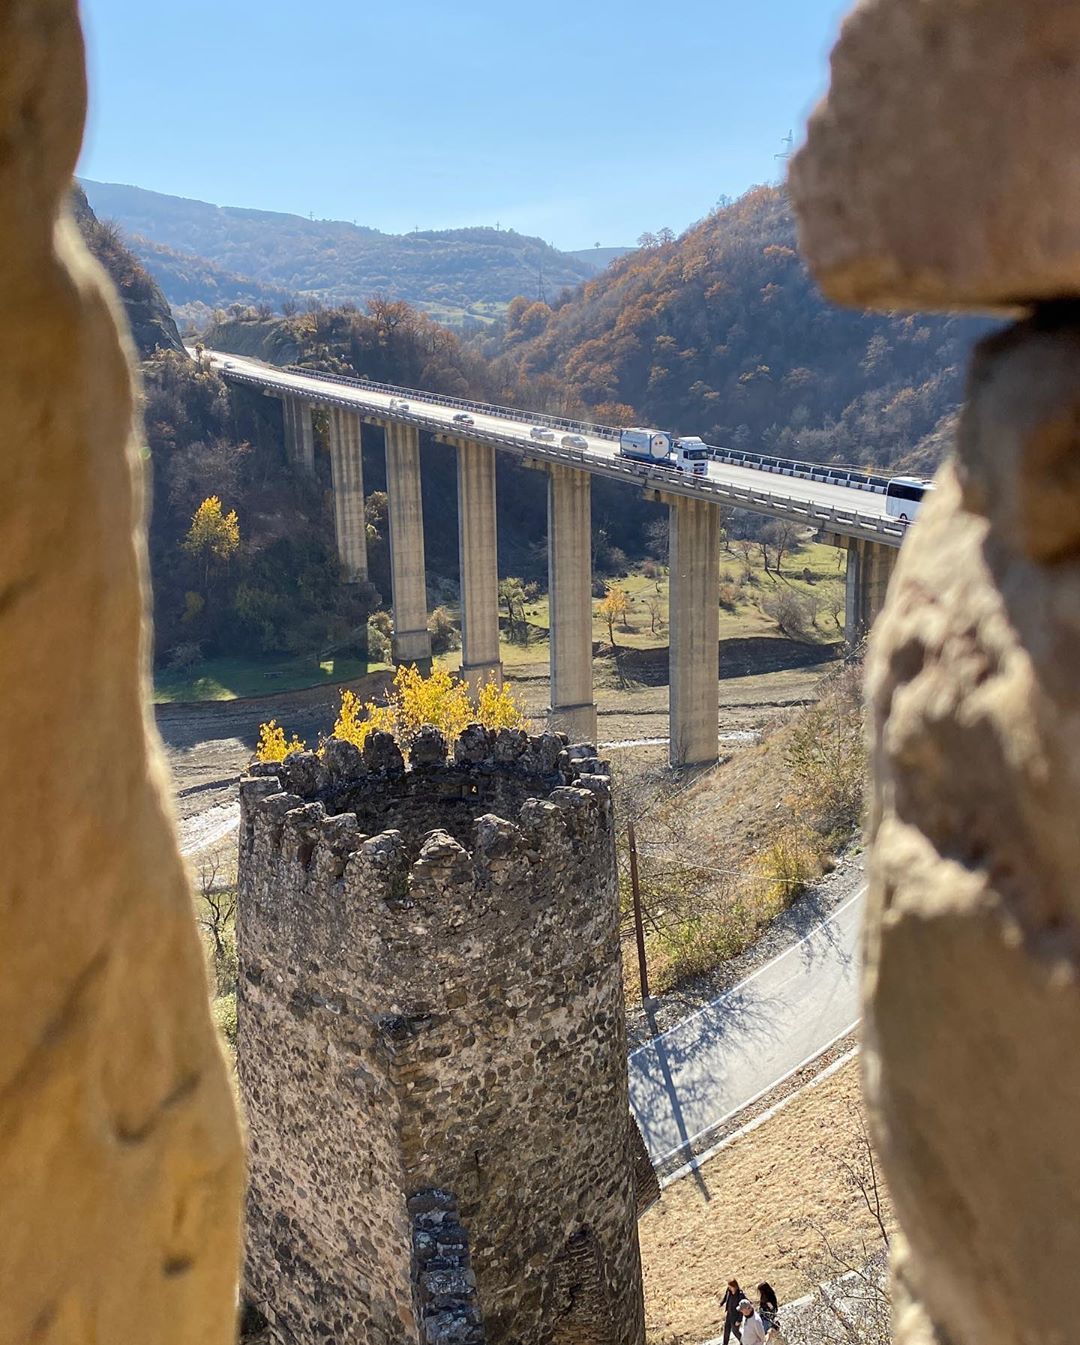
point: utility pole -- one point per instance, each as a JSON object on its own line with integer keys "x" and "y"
{"x": 639, "y": 929}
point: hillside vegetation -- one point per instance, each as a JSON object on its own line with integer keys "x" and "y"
{"x": 448, "y": 271}
{"x": 722, "y": 333}
{"x": 151, "y": 322}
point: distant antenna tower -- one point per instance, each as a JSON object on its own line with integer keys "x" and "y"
{"x": 541, "y": 293}
{"x": 788, "y": 143}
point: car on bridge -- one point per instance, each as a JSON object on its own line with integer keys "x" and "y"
{"x": 574, "y": 441}
{"x": 395, "y": 405}
{"x": 463, "y": 418}
{"x": 540, "y": 432}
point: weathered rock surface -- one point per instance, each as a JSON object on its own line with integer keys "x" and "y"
{"x": 120, "y": 1156}
{"x": 941, "y": 171}
{"x": 972, "y": 991}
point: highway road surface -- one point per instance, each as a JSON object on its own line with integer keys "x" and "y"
{"x": 601, "y": 454}
{"x": 686, "y": 1083}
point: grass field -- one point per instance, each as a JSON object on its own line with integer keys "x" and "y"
{"x": 814, "y": 573}
{"x": 226, "y": 679}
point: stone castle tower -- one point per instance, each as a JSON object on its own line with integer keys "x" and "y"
{"x": 432, "y": 1046}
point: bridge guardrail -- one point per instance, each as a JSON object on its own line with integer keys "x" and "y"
{"x": 878, "y": 527}
{"x": 810, "y": 471}
{"x": 464, "y": 404}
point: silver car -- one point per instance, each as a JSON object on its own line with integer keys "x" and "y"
{"x": 539, "y": 432}
{"x": 574, "y": 441}
{"x": 395, "y": 405}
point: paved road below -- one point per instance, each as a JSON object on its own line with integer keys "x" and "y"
{"x": 694, "y": 1077}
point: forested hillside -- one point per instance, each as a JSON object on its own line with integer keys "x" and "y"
{"x": 449, "y": 272}
{"x": 392, "y": 342}
{"x": 148, "y": 315}
{"x": 198, "y": 288}
{"x": 722, "y": 333}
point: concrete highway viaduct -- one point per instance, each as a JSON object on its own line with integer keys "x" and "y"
{"x": 841, "y": 505}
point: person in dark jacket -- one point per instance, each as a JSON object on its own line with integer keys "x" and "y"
{"x": 732, "y": 1317}
{"x": 767, "y": 1304}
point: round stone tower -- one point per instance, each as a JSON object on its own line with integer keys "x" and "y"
{"x": 430, "y": 1020}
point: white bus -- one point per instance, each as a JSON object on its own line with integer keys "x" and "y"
{"x": 903, "y": 495}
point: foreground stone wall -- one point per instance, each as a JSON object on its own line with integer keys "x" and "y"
{"x": 943, "y": 169}
{"x": 431, "y": 999}
{"x": 120, "y": 1159}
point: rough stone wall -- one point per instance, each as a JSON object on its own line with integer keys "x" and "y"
{"x": 437, "y": 1005}
{"x": 120, "y": 1157}
{"x": 444, "y": 1287}
{"x": 943, "y": 168}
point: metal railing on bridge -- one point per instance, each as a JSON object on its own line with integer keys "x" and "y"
{"x": 465, "y": 404}
{"x": 874, "y": 527}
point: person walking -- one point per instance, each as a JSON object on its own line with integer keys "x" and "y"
{"x": 733, "y": 1296}
{"x": 753, "y": 1328}
{"x": 767, "y": 1305}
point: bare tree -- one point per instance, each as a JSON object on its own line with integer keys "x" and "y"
{"x": 850, "y": 1299}
{"x": 652, "y": 606}
{"x": 216, "y": 914}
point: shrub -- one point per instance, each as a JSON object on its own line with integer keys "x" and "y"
{"x": 224, "y": 1011}
{"x": 729, "y": 597}
{"x": 443, "y": 632}
{"x": 790, "y": 610}
{"x": 272, "y": 745}
{"x": 827, "y": 757}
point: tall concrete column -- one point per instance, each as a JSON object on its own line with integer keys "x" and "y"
{"x": 694, "y": 617}
{"x": 299, "y": 432}
{"x": 479, "y": 563}
{"x": 347, "y": 471}
{"x": 573, "y": 710}
{"x": 412, "y": 642}
{"x": 854, "y": 625}
{"x": 869, "y": 568}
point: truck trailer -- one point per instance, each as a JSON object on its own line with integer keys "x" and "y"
{"x": 657, "y": 448}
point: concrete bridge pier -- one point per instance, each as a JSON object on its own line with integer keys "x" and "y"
{"x": 573, "y": 709}
{"x": 299, "y": 432}
{"x": 477, "y": 551}
{"x": 347, "y": 472}
{"x": 694, "y": 620}
{"x": 412, "y": 641}
{"x": 870, "y": 566}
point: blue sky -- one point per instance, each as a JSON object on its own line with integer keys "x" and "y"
{"x": 581, "y": 122}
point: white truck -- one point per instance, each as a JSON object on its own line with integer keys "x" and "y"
{"x": 657, "y": 448}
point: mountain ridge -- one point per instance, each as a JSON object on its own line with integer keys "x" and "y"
{"x": 451, "y": 273}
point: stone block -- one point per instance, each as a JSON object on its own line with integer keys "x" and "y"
{"x": 1019, "y": 438}
{"x": 941, "y": 170}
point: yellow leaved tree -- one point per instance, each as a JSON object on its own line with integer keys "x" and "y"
{"x": 440, "y": 700}
{"x": 272, "y": 744}
{"x": 413, "y": 702}
{"x": 213, "y": 535}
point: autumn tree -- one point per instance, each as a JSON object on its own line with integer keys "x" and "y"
{"x": 614, "y": 606}
{"x": 213, "y": 535}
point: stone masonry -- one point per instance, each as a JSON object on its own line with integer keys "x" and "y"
{"x": 431, "y": 1002}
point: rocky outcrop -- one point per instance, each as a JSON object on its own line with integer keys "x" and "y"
{"x": 942, "y": 170}
{"x": 149, "y": 316}
{"x": 120, "y": 1155}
